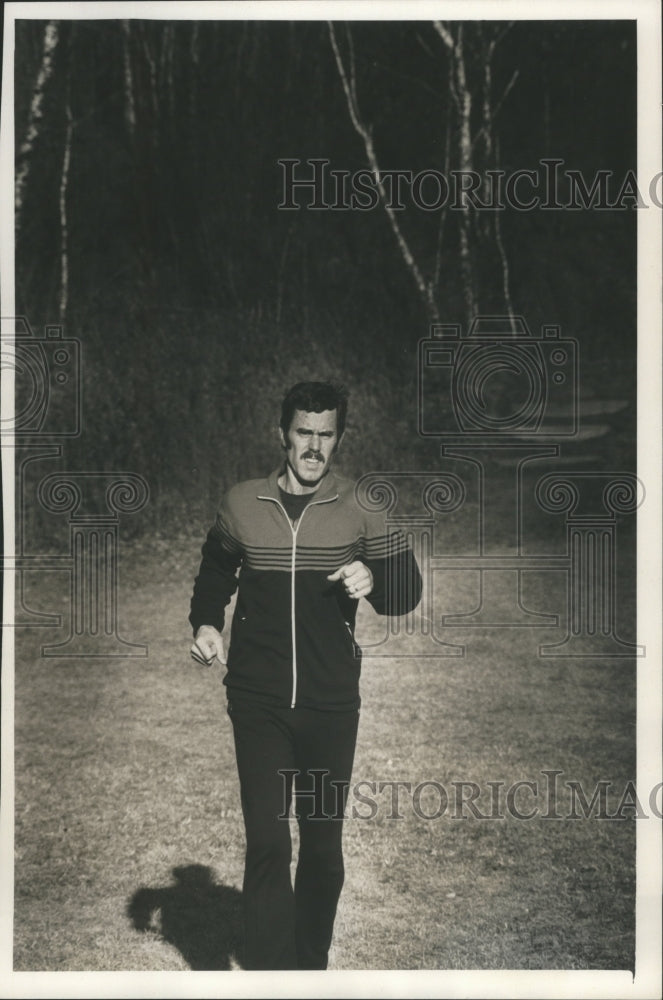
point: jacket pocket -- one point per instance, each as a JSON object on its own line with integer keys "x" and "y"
{"x": 355, "y": 651}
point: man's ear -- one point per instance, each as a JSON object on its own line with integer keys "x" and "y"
{"x": 338, "y": 443}
{"x": 282, "y": 439}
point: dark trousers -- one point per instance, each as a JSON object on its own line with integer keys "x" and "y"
{"x": 286, "y": 929}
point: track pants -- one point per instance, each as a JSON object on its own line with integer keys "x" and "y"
{"x": 286, "y": 928}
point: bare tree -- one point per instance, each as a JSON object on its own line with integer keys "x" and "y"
{"x": 347, "y": 75}
{"x": 470, "y": 97}
{"x": 492, "y": 153}
{"x": 129, "y": 96}
{"x": 64, "y": 224}
{"x": 462, "y": 101}
{"x": 35, "y": 115}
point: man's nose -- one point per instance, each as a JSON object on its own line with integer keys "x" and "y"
{"x": 315, "y": 441}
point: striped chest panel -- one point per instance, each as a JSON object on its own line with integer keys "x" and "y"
{"x": 324, "y": 538}
{"x": 325, "y": 560}
{"x": 329, "y": 534}
{"x": 306, "y": 557}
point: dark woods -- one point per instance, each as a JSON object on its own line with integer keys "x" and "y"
{"x": 148, "y": 186}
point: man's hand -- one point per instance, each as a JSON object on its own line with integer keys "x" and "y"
{"x": 208, "y": 646}
{"x": 357, "y": 579}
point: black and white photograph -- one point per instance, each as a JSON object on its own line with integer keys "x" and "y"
{"x": 331, "y": 451}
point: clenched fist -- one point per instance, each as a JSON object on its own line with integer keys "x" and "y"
{"x": 208, "y": 646}
{"x": 357, "y": 579}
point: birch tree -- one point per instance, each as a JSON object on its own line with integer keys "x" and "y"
{"x": 35, "y": 116}
{"x": 469, "y": 51}
{"x": 347, "y": 74}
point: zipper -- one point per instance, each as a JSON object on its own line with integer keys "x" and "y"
{"x": 293, "y": 627}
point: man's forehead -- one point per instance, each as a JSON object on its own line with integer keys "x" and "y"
{"x": 326, "y": 420}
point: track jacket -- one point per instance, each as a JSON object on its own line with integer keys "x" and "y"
{"x": 292, "y": 638}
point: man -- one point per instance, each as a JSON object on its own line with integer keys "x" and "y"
{"x": 307, "y": 552}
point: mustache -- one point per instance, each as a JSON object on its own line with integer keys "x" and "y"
{"x": 313, "y": 454}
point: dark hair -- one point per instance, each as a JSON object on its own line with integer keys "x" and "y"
{"x": 314, "y": 397}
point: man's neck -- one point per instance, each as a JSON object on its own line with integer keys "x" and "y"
{"x": 289, "y": 482}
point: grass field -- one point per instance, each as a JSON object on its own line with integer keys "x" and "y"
{"x": 129, "y": 837}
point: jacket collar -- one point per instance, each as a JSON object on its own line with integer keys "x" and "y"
{"x": 327, "y": 490}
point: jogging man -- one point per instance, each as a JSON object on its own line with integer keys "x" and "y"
{"x": 306, "y": 552}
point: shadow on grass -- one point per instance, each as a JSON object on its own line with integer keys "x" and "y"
{"x": 200, "y": 918}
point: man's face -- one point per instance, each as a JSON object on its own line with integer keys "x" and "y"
{"x": 310, "y": 445}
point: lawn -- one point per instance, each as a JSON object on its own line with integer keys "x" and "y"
{"x": 129, "y": 838}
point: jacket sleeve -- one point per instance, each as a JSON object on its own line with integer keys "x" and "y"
{"x": 397, "y": 581}
{"x": 217, "y": 577}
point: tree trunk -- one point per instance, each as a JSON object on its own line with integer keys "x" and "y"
{"x": 424, "y": 288}
{"x": 64, "y": 226}
{"x": 464, "y": 105}
{"x": 51, "y": 34}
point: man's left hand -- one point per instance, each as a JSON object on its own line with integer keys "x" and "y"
{"x": 357, "y": 579}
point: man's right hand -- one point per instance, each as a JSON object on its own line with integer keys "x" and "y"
{"x": 208, "y": 646}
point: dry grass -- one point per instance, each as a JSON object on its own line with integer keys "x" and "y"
{"x": 129, "y": 839}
